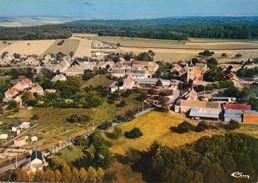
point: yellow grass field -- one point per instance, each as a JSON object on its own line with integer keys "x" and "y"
{"x": 69, "y": 45}
{"x": 84, "y": 48}
{"x": 4, "y": 44}
{"x": 155, "y": 128}
{"x": 36, "y": 47}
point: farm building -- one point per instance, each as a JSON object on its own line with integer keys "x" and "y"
{"x": 25, "y": 125}
{"x": 250, "y": 117}
{"x": 235, "y": 112}
{"x": 3, "y": 136}
{"x": 202, "y": 107}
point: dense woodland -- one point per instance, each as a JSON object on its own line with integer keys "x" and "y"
{"x": 209, "y": 160}
{"x": 164, "y": 28}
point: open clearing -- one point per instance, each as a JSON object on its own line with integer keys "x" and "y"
{"x": 35, "y": 47}
{"x": 68, "y": 45}
{"x": 99, "y": 80}
{"x": 155, "y": 127}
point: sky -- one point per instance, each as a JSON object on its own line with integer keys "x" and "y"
{"x": 127, "y": 9}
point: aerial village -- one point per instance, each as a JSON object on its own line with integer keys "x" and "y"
{"x": 183, "y": 90}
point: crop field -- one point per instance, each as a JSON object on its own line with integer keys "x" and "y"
{"x": 84, "y": 48}
{"x": 64, "y": 46}
{"x": 155, "y": 128}
{"x": 36, "y": 47}
{"x": 171, "y": 51}
{"x": 4, "y": 44}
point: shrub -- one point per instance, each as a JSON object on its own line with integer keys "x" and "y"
{"x": 105, "y": 125}
{"x": 78, "y": 118}
{"x": 184, "y": 127}
{"x": 134, "y": 133}
{"x": 116, "y": 133}
{"x": 232, "y": 125}
{"x": 121, "y": 104}
{"x": 202, "y": 126}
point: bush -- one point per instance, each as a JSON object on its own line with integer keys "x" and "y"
{"x": 105, "y": 125}
{"x": 202, "y": 126}
{"x": 121, "y": 104}
{"x": 232, "y": 125}
{"x": 78, "y": 118}
{"x": 134, "y": 133}
{"x": 184, "y": 127}
{"x": 116, "y": 133}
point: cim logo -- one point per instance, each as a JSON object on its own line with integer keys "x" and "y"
{"x": 240, "y": 175}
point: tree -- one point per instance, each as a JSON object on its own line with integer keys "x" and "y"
{"x": 83, "y": 175}
{"x": 92, "y": 175}
{"x": 20, "y": 175}
{"x": 66, "y": 173}
{"x": 159, "y": 83}
{"x": 88, "y": 74}
{"x": 224, "y": 55}
{"x": 207, "y": 53}
{"x": 212, "y": 62}
{"x": 134, "y": 133}
{"x": 100, "y": 175}
{"x": 214, "y": 74}
{"x": 75, "y": 175}
{"x": 58, "y": 176}
{"x": 13, "y": 105}
{"x": 50, "y": 175}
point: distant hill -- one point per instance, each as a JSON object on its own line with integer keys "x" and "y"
{"x": 175, "y": 28}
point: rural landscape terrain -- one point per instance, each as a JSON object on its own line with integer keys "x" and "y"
{"x": 154, "y": 100}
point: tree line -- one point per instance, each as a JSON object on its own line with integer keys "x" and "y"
{"x": 167, "y": 28}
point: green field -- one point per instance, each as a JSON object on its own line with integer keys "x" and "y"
{"x": 52, "y": 126}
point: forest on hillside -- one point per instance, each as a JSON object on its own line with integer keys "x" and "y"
{"x": 163, "y": 28}
{"x": 209, "y": 160}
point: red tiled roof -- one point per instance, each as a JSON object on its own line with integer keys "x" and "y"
{"x": 238, "y": 106}
{"x": 13, "y": 91}
{"x": 26, "y": 81}
{"x": 142, "y": 63}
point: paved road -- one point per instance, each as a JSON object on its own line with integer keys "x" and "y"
{"x": 13, "y": 165}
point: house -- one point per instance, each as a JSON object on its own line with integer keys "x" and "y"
{"x": 140, "y": 74}
{"x": 88, "y": 65}
{"x": 37, "y": 89}
{"x": 59, "y": 77}
{"x": 10, "y": 93}
{"x": 37, "y": 161}
{"x": 250, "y": 117}
{"x": 3, "y": 136}
{"x": 20, "y": 141}
{"x": 25, "y": 125}
{"x": 74, "y": 70}
{"x": 113, "y": 87}
{"x": 203, "y": 107}
{"x": 235, "y": 112}
{"x": 195, "y": 72}
{"x": 129, "y": 82}
{"x": 118, "y": 73}
{"x": 23, "y": 84}
{"x": 34, "y": 138}
{"x": 15, "y": 127}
